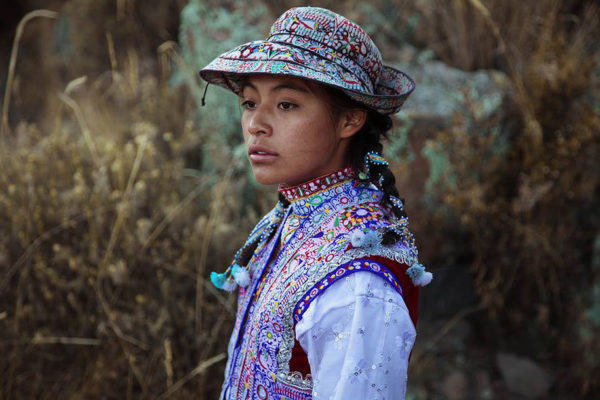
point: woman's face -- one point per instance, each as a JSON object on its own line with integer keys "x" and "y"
{"x": 289, "y": 131}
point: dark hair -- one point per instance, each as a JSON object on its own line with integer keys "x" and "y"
{"x": 368, "y": 139}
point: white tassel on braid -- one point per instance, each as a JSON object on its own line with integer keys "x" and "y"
{"x": 418, "y": 275}
{"x": 229, "y": 285}
{"x": 369, "y": 239}
{"x": 241, "y": 275}
{"x": 357, "y": 238}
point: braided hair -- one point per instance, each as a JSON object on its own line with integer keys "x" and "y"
{"x": 365, "y": 147}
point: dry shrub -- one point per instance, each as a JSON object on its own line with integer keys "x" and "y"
{"x": 479, "y": 34}
{"x": 524, "y": 186}
{"x": 108, "y": 230}
{"x": 125, "y": 22}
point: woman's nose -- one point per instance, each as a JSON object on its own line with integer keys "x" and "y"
{"x": 259, "y": 122}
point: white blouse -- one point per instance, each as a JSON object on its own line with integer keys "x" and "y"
{"x": 357, "y": 335}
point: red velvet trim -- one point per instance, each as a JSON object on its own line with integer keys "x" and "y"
{"x": 410, "y": 292}
{"x": 299, "y": 360}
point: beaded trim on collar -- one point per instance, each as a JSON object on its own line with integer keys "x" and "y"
{"x": 303, "y": 190}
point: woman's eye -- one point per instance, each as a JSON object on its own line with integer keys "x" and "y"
{"x": 286, "y": 105}
{"x": 248, "y": 104}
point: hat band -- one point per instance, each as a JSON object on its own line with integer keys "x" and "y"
{"x": 250, "y": 60}
{"x": 364, "y": 76}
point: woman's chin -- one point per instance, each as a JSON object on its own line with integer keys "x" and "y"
{"x": 265, "y": 178}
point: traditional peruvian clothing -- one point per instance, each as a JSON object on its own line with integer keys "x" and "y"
{"x": 325, "y": 309}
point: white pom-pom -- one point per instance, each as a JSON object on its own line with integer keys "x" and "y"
{"x": 418, "y": 275}
{"x": 357, "y": 238}
{"x": 229, "y": 285}
{"x": 372, "y": 239}
{"x": 242, "y": 277}
{"x": 424, "y": 279}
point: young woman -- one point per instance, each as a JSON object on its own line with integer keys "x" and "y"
{"x": 327, "y": 281}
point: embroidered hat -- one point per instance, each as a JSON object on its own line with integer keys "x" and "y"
{"x": 320, "y": 45}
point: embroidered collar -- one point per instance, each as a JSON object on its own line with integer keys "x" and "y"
{"x": 322, "y": 183}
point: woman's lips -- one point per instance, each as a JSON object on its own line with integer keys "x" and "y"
{"x": 259, "y": 154}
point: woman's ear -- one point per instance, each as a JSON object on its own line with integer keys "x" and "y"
{"x": 351, "y": 121}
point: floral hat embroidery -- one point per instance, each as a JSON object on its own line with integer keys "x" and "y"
{"x": 320, "y": 45}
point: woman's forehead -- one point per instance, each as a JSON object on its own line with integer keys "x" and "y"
{"x": 273, "y": 83}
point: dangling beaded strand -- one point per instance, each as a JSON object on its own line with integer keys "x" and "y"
{"x": 237, "y": 275}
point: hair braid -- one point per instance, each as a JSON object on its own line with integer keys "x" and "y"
{"x": 368, "y": 140}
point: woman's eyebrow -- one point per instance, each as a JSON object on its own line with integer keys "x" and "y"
{"x": 245, "y": 84}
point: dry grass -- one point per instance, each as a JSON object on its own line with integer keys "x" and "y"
{"x": 108, "y": 232}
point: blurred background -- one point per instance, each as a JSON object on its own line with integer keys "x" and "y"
{"x": 119, "y": 193}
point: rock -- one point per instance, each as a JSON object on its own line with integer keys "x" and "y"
{"x": 523, "y": 376}
{"x": 205, "y": 32}
{"x": 472, "y": 103}
{"x": 442, "y": 90}
{"x": 455, "y": 385}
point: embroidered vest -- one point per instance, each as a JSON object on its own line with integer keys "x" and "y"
{"x": 331, "y": 228}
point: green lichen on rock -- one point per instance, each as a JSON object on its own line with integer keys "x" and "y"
{"x": 398, "y": 148}
{"x": 441, "y": 173}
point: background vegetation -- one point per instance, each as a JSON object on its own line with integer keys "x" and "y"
{"x": 119, "y": 193}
